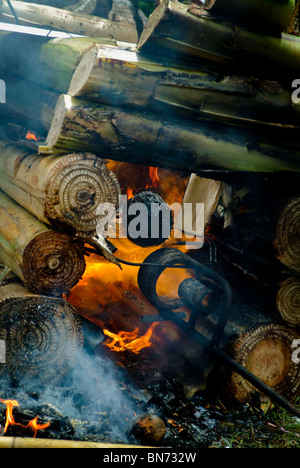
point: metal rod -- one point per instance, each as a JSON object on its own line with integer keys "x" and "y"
{"x": 259, "y": 384}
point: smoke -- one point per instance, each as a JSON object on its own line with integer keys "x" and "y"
{"x": 94, "y": 398}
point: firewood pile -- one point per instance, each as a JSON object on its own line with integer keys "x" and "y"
{"x": 202, "y": 88}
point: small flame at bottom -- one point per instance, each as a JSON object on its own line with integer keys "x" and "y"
{"x": 10, "y": 420}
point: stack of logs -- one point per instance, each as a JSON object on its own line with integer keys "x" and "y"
{"x": 205, "y": 89}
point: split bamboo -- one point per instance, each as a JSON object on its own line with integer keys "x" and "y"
{"x": 48, "y": 262}
{"x": 64, "y": 191}
{"x": 144, "y": 139}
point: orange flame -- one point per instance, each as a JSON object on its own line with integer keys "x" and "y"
{"x": 10, "y": 420}
{"x": 124, "y": 341}
{"x": 153, "y": 176}
{"x": 31, "y": 136}
{"x": 130, "y": 193}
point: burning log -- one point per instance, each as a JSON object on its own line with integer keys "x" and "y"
{"x": 124, "y": 78}
{"x": 79, "y": 125}
{"x": 266, "y": 352}
{"x": 267, "y": 16}
{"x": 64, "y": 191}
{"x": 48, "y": 262}
{"x": 288, "y": 301}
{"x": 76, "y": 21}
{"x": 157, "y": 214}
{"x": 174, "y": 30}
{"x": 42, "y": 335}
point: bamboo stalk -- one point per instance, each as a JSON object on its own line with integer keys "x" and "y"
{"x": 269, "y": 15}
{"x": 30, "y": 14}
{"x": 42, "y": 335}
{"x": 173, "y": 30}
{"x": 20, "y": 442}
{"x": 48, "y": 262}
{"x": 43, "y": 61}
{"x": 144, "y": 139}
{"x": 64, "y": 191}
{"x": 124, "y": 78}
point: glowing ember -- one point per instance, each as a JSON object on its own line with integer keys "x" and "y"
{"x": 129, "y": 341}
{"x": 31, "y": 136}
{"x": 10, "y": 420}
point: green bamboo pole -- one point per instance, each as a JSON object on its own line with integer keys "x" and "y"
{"x": 124, "y": 78}
{"x": 147, "y": 139}
{"x": 174, "y": 30}
{"x": 49, "y": 63}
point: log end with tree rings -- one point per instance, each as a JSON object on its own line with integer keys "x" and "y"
{"x": 288, "y": 301}
{"x": 267, "y": 353}
{"x": 77, "y": 185}
{"x": 42, "y": 337}
{"x": 53, "y": 263}
{"x": 287, "y": 236}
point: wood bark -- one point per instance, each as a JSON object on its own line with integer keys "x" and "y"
{"x": 48, "y": 262}
{"x": 174, "y": 30}
{"x": 42, "y": 335}
{"x": 64, "y": 191}
{"x": 78, "y": 22}
{"x": 123, "y": 78}
{"x": 143, "y": 139}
